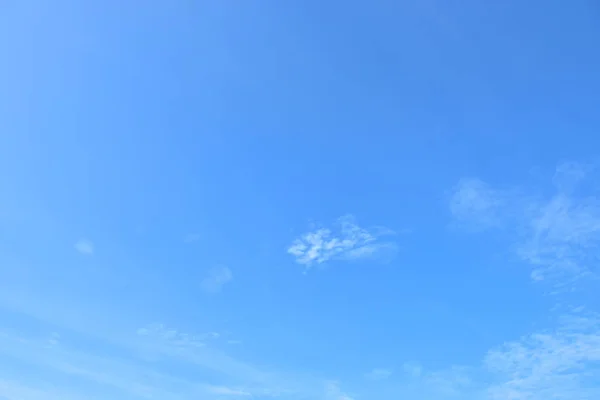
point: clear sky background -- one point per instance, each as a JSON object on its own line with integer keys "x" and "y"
{"x": 330, "y": 200}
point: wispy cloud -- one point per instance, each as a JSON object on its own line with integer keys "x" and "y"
{"x": 560, "y": 364}
{"x": 345, "y": 240}
{"x": 145, "y": 352}
{"x": 129, "y": 377}
{"x": 379, "y": 374}
{"x": 557, "y": 234}
{"x": 85, "y": 247}
{"x": 477, "y": 205}
{"x": 216, "y": 279}
{"x": 174, "y": 337}
{"x": 128, "y": 372}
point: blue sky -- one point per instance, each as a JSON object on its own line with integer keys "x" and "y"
{"x": 299, "y": 200}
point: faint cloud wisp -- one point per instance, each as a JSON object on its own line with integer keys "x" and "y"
{"x": 334, "y": 392}
{"x": 476, "y": 205}
{"x": 347, "y": 240}
{"x": 559, "y": 364}
{"x": 379, "y": 374}
{"x": 559, "y": 235}
{"x": 216, "y": 279}
{"x": 85, "y": 247}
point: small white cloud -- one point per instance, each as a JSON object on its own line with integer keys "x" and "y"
{"x": 84, "y": 246}
{"x": 216, "y": 279}
{"x": 379, "y": 374}
{"x": 346, "y": 241}
{"x": 234, "y": 342}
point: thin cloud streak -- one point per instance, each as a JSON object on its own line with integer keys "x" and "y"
{"x": 557, "y": 235}
{"x": 346, "y": 240}
{"x": 559, "y": 364}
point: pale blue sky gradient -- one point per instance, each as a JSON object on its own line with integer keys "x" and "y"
{"x": 299, "y": 200}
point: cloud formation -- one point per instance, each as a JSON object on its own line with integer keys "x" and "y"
{"x": 477, "y": 205}
{"x": 85, "y": 247}
{"x": 216, "y": 279}
{"x": 346, "y": 240}
{"x": 127, "y": 374}
{"x": 557, "y": 234}
{"x": 559, "y": 364}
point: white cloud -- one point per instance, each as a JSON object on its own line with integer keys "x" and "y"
{"x": 84, "y": 246}
{"x": 559, "y": 235}
{"x": 177, "y": 338}
{"x": 126, "y": 373}
{"x": 561, "y": 364}
{"x": 216, "y": 279}
{"x": 346, "y": 240}
{"x": 130, "y": 363}
{"x": 378, "y": 374}
{"x": 563, "y": 236}
{"x": 130, "y": 377}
